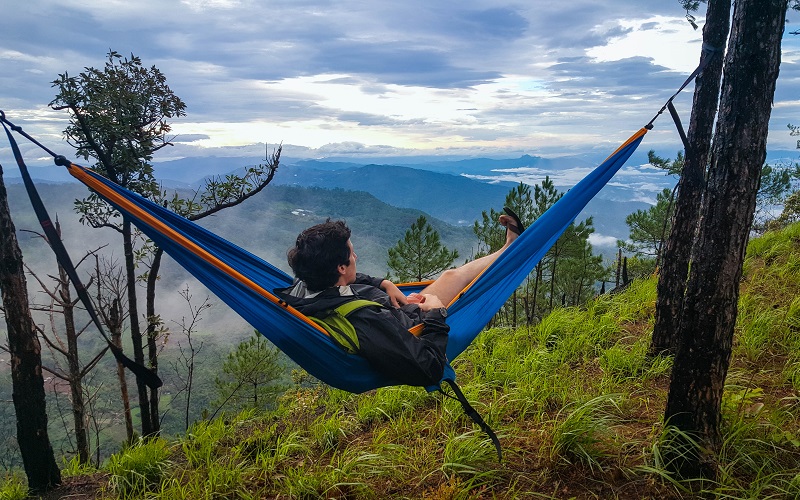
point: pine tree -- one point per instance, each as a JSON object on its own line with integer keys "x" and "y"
{"x": 420, "y": 255}
{"x": 647, "y": 227}
{"x": 251, "y": 376}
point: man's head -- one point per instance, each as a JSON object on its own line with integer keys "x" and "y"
{"x": 321, "y": 255}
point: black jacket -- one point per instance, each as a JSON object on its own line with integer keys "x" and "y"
{"x": 383, "y": 336}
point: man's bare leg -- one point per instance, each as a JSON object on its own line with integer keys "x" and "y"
{"x": 453, "y": 281}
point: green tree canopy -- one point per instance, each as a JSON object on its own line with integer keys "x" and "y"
{"x": 119, "y": 117}
{"x": 420, "y": 255}
{"x": 648, "y": 228}
{"x": 251, "y": 376}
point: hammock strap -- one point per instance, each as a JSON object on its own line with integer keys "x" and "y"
{"x": 142, "y": 373}
{"x": 708, "y": 52}
{"x": 678, "y": 125}
{"x": 473, "y": 414}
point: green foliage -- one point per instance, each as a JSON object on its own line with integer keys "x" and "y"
{"x": 578, "y": 269}
{"x": 420, "y": 255}
{"x": 672, "y": 167}
{"x": 118, "y": 116}
{"x": 578, "y": 434}
{"x": 137, "y": 470}
{"x": 201, "y": 441}
{"x": 624, "y": 361}
{"x": 74, "y": 467}
{"x": 252, "y": 376}
{"x": 790, "y": 213}
{"x": 650, "y": 228}
{"x": 121, "y": 141}
{"x": 13, "y": 487}
{"x": 467, "y": 455}
{"x": 389, "y": 403}
{"x": 777, "y": 190}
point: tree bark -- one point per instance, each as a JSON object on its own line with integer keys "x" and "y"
{"x": 675, "y": 261}
{"x": 115, "y": 326}
{"x": 152, "y": 327}
{"x": 712, "y": 292}
{"x": 75, "y": 377}
{"x": 136, "y": 333}
{"x": 26, "y": 361}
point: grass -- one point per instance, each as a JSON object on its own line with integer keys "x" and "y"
{"x": 575, "y": 401}
{"x": 13, "y": 487}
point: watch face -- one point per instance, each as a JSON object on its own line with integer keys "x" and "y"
{"x": 443, "y": 311}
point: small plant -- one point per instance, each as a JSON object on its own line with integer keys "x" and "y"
{"x": 467, "y": 456}
{"x": 137, "y": 470}
{"x": 286, "y": 445}
{"x": 73, "y": 467}
{"x": 578, "y": 436}
{"x": 327, "y": 433}
{"x": 13, "y": 487}
{"x": 388, "y": 403}
{"x": 199, "y": 443}
{"x": 623, "y": 362}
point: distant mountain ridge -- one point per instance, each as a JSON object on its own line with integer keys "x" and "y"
{"x": 455, "y": 199}
{"x": 438, "y": 188}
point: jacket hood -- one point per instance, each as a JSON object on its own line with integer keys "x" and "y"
{"x": 326, "y": 300}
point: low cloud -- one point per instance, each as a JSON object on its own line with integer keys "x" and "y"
{"x": 599, "y": 240}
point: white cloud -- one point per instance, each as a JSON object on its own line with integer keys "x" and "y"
{"x": 669, "y": 41}
{"x": 599, "y": 240}
{"x": 477, "y": 77}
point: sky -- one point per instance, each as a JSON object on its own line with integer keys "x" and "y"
{"x": 359, "y": 79}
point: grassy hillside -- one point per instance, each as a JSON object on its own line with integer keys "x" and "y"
{"x": 576, "y": 404}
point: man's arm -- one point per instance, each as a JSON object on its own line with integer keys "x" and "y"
{"x": 397, "y": 297}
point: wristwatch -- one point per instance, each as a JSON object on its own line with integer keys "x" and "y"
{"x": 443, "y": 311}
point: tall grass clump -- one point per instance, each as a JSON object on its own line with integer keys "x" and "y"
{"x": 202, "y": 439}
{"x": 627, "y": 362}
{"x": 73, "y": 467}
{"x": 580, "y": 431}
{"x": 13, "y": 487}
{"x": 635, "y": 303}
{"x": 390, "y": 402}
{"x": 469, "y": 456}
{"x": 137, "y": 470}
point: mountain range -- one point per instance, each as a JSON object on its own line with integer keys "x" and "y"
{"x": 454, "y": 191}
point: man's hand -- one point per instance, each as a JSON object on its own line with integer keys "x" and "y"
{"x": 395, "y": 295}
{"x": 429, "y": 302}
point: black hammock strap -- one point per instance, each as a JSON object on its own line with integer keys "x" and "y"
{"x": 142, "y": 373}
{"x": 474, "y": 415}
{"x": 707, "y": 54}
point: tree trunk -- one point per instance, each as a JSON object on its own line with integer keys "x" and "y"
{"x": 675, "y": 261}
{"x": 115, "y": 326}
{"x": 75, "y": 378}
{"x": 152, "y": 332}
{"x": 26, "y": 361}
{"x": 136, "y": 333}
{"x": 712, "y": 292}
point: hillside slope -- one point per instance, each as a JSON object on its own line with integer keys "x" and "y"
{"x": 577, "y": 406}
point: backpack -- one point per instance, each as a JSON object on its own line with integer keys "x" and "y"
{"x": 341, "y": 331}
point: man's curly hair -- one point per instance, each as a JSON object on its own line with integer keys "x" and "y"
{"x": 318, "y": 252}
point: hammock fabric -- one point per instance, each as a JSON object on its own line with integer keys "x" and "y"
{"x": 246, "y": 282}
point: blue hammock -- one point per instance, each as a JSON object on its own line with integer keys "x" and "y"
{"x": 246, "y": 282}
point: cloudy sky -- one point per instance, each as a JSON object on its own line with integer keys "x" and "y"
{"x": 361, "y": 78}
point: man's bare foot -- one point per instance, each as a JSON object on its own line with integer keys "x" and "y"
{"x": 511, "y": 233}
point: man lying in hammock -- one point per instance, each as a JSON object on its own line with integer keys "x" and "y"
{"x": 324, "y": 263}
